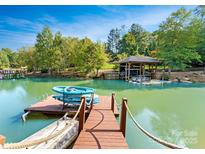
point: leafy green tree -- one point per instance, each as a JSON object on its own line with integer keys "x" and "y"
{"x": 44, "y": 43}
{"x": 144, "y": 40}
{"x": 56, "y": 52}
{"x": 128, "y": 44}
{"x": 26, "y": 58}
{"x": 98, "y": 56}
{"x": 121, "y": 56}
{"x": 137, "y": 41}
{"x": 176, "y": 40}
{"x": 11, "y": 57}
{"x": 48, "y": 50}
{"x": 4, "y": 61}
{"x": 199, "y": 27}
{"x": 69, "y": 51}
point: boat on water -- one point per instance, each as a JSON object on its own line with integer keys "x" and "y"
{"x": 73, "y": 94}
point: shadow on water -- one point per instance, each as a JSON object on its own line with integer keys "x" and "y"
{"x": 33, "y": 116}
{"x": 122, "y": 85}
{"x": 16, "y": 118}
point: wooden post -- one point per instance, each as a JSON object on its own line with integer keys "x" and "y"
{"x": 92, "y": 100}
{"x": 128, "y": 71}
{"x": 2, "y": 141}
{"x": 112, "y": 102}
{"x": 123, "y": 117}
{"x": 82, "y": 114}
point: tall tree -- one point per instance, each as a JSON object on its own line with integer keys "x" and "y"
{"x": 69, "y": 51}
{"x": 44, "y": 43}
{"x": 113, "y": 41}
{"x": 4, "y": 61}
{"x": 48, "y": 50}
{"x": 26, "y": 58}
{"x": 176, "y": 40}
{"x": 11, "y": 57}
{"x": 143, "y": 39}
{"x": 128, "y": 44}
{"x": 200, "y": 27}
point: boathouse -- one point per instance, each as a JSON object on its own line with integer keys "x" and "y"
{"x": 138, "y": 66}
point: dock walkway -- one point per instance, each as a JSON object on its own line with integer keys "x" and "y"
{"x": 101, "y": 130}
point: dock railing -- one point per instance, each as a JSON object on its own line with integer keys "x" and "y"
{"x": 26, "y": 144}
{"x": 124, "y": 110}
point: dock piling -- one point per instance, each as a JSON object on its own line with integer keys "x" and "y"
{"x": 2, "y": 141}
{"x": 123, "y": 117}
{"x": 92, "y": 100}
{"x": 112, "y": 101}
{"x": 82, "y": 114}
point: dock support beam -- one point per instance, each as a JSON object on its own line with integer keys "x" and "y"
{"x": 2, "y": 141}
{"x": 113, "y": 102}
{"x": 82, "y": 115}
{"x": 123, "y": 117}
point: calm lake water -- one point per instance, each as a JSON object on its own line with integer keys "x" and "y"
{"x": 173, "y": 112}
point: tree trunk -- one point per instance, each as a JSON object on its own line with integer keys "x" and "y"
{"x": 169, "y": 71}
{"x": 97, "y": 72}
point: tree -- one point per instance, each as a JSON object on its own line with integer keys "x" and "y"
{"x": 137, "y": 41}
{"x": 113, "y": 41}
{"x": 144, "y": 39}
{"x": 176, "y": 42}
{"x": 11, "y": 57}
{"x": 128, "y": 44}
{"x": 56, "y": 52}
{"x": 89, "y": 56}
{"x": 99, "y": 56}
{"x": 4, "y": 61}
{"x": 121, "y": 56}
{"x": 26, "y": 58}
{"x": 200, "y": 27}
{"x": 48, "y": 50}
{"x": 69, "y": 51}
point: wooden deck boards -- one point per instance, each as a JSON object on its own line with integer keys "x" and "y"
{"x": 101, "y": 130}
{"x": 53, "y": 106}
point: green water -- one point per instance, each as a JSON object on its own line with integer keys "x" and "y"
{"x": 173, "y": 112}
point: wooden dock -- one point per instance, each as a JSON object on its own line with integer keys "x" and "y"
{"x": 101, "y": 130}
{"x": 53, "y": 106}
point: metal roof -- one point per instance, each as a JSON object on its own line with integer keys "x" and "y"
{"x": 139, "y": 59}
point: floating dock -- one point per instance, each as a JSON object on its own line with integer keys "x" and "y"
{"x": 53, "y": 106}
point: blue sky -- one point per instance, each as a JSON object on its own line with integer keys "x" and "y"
{"x": 20, "y": 24}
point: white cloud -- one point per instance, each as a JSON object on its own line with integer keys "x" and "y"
{"x": 94, "y": 26}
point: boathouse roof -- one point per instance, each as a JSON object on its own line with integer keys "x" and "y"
{"x": 139, "y": 59}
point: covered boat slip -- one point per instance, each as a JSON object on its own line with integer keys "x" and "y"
{"x": 138, "y": 68}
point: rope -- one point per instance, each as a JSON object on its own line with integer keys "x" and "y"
{"x": 44, "y": 139}
{"x": 167, "y": 144}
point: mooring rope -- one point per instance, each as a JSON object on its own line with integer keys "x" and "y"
{"x": 160, "y": 141}
{"x": 20, "y": 145}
